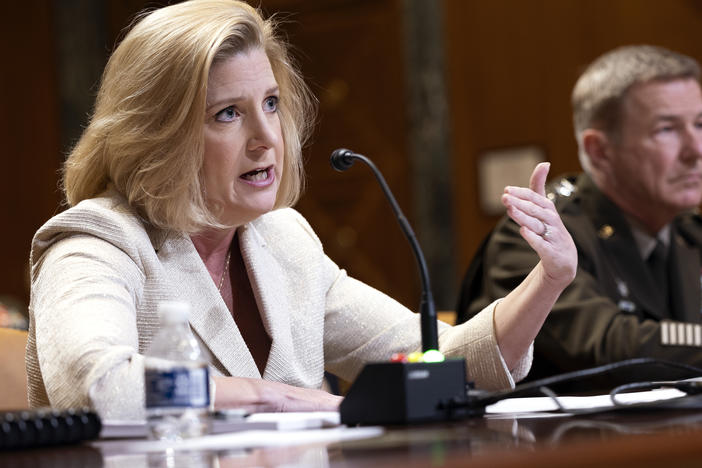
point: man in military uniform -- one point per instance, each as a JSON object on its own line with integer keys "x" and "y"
{"x": 638, "y": 122}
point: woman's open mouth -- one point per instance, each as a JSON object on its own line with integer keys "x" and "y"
{"x": 259, "y": 177}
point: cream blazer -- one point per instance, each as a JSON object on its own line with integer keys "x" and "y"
{"x": 99, "y": 271}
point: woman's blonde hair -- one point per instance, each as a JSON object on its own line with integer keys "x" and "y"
{"x": 146, "y": 135}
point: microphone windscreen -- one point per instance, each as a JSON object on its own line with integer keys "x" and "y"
{"x": 341, "y": 159}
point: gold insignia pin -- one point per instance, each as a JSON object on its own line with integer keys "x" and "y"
{"x": 605, "y": 231}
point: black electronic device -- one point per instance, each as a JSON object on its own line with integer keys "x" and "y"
{"x": 45, "y": 427}
{"x": 407, "y": 392}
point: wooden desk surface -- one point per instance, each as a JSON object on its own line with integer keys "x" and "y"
{"x": 649, "y": 438}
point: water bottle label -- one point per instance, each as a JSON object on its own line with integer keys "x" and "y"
{"x": 179, "y": 387}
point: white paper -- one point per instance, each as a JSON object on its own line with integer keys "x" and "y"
{"x": 576, "y": 403}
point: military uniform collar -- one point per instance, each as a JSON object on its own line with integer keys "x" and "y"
{"x": 646, "y": 242}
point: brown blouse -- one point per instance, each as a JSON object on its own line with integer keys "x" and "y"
{"x": 245, "y": 310}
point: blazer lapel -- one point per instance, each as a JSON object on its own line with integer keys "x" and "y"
{"x": 189, "y": 281}
{"x": 270, "y": 286}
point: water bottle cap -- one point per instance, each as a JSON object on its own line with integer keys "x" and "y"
{"x": 173, "y": 311}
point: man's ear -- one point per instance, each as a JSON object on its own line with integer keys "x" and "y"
{"x": 598, "y": 147}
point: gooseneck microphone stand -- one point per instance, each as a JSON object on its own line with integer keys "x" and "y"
{"x": 407, "y": 392}
{"x": 341, "y": 160}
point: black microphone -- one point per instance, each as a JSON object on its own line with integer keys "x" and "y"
{"x": 341, "y": 160}
{"x": 407, "y": 392}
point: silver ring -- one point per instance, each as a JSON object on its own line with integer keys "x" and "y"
{"x": 546, "y": 232}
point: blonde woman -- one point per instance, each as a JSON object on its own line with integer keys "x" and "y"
{"x": 180, "y": 188}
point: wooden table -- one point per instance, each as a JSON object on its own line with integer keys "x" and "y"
{"x": 651, "y": 438}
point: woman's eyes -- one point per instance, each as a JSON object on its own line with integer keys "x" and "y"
{"x": 271, "y": 104}
{"x": 229, "y": 114}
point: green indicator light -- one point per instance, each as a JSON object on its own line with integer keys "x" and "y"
{"x": 433, "y": 356}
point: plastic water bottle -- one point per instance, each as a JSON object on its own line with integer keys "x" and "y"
{"x": 176, "y": 378}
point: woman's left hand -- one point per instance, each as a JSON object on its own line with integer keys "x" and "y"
{"x": 541, "y": 226}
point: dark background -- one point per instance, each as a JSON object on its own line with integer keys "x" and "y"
{"x": 423, "y": 87}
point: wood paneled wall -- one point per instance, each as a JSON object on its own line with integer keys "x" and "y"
{"x": 29, "y": 134}
{"x": 352, "y": 56}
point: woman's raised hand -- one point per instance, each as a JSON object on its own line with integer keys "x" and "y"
{"x": 541, "y": 226}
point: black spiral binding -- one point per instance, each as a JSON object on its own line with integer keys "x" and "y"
{"x": 47, "y": 427}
